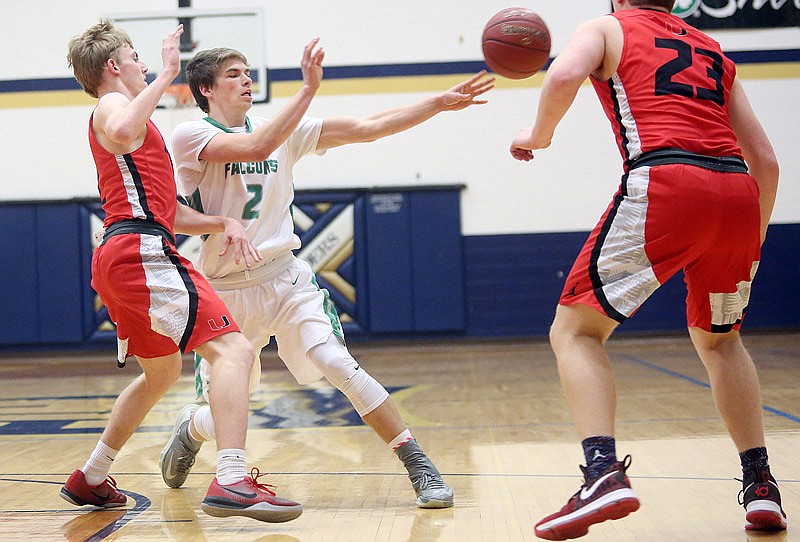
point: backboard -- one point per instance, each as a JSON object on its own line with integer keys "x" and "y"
{"x": 237, "y": 28}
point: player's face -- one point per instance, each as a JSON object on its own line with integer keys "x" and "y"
{"x": 132, "y": 71}
{"x": 233, "y": 85}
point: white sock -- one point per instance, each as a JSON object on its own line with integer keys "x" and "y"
{"x": 203, "y": 424}
{"x": 96, "y": 468}
{"x": 400, "y": 439}
{"x": 231, "y": 466}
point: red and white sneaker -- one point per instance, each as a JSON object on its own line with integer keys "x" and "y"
{"x": 104, "y": 495}
{"x": 609, "y": 496}
{"x": 250, "y": 499}
{"x": 762, "y": 502}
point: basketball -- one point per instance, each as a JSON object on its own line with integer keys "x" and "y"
{"x": 516, "y": 43}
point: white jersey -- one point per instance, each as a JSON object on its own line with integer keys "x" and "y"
{"x": 258, "y": 194}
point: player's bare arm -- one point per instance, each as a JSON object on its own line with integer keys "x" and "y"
{"x": 584, "y": 56}
{"x": 258, "y": 145}
{"x": 337, "y": 131}
{"x": 757, "y": 150}
{"x": 124, "y": 109}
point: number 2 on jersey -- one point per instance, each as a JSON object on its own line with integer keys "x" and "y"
{"x": 256, "y": 192}
{"x": 665, "y": 83}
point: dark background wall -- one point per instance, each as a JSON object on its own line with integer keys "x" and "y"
{"x": 414, "y": 275}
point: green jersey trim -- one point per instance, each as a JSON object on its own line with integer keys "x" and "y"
{"x": 212, "y": 122}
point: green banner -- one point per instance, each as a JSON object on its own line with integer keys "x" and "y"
{"x": 739, "y": 13}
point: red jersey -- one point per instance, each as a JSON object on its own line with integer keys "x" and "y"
{"x": 139, "y": 184}
{"x": 156, "y": 298}
{"x": 670, "y": 90}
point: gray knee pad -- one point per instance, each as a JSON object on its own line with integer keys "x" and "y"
{"x": 338, "y": 366}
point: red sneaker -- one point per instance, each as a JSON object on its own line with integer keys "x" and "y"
{"x": 250, "y": 499}
{"x": 104, "y": 495}
{"x": 609, "y": 496}
{"x": 762, "y": 502}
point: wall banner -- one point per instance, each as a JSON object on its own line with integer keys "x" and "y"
{"x": 739, "y": 13}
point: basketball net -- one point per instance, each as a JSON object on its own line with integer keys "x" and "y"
{"x": 177, "y": 95}
{"x": 177, "y": 105}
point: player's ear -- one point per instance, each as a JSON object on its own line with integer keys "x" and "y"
{"x": 205, "y": 90}
{"x": 111, "y": 64}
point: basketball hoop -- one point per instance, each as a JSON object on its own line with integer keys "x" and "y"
{"x": 177, "y": 96}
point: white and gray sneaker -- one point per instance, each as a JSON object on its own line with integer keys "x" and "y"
{"x": 431, "y": 490}
{"x": 179, "y": 453}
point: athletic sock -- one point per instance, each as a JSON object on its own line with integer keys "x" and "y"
{"x": 231, "y": 466}
{"x": 600, "y": 453}
{"x": 752, "y": 459}
{"x": 400, "y": 439}
{"x": 96, "y": 468}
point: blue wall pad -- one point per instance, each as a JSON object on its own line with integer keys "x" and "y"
{"x": 513, "y": 283}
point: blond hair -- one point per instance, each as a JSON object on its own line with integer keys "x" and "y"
{"x": 87, "y": 54}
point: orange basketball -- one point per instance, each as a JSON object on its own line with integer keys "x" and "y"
{"x": 516, "y": 43}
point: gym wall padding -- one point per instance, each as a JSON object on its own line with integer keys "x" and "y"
{"x": 414, "y": 275}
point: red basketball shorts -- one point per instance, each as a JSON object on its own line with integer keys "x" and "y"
{"x": 158, "y": 301}
{"x": 668, "y": 218}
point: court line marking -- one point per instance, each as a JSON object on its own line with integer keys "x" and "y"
{"x": 670, "y": 372}
{"x": 142, "y": 504}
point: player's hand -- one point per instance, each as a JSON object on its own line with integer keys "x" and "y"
{"x": 524, "y": 144}
{"x": 311, "y": 65}
{"x": 235, "y": 236}
{"x": 170, "y": 52}
{"x": 463, "y": 95}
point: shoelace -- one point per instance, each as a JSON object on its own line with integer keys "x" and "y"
{"x": 419, "y": 469}
{"x": 255, "y": 474}
{"x": 111, "y": 481}
{"x": 428, "y": 480}
{"x": 185, "y": 462}
{"x": 758, "y": 476}
{"x": 740, "y": 496}
{"x": 625, "y": 465}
